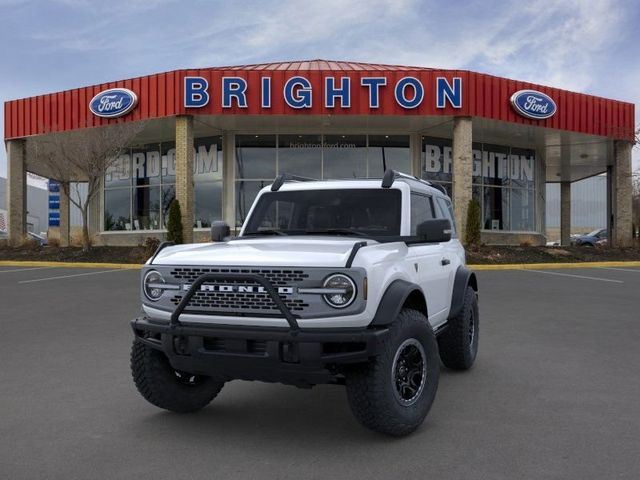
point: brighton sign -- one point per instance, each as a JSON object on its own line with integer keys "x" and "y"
{"x": 113, "y": 103}
{"x": 297, "y": 92}
{"x": 533, "y": 104}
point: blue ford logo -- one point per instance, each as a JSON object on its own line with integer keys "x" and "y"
{"x": 533, "y": 104}
{"x": 114, "y": 102}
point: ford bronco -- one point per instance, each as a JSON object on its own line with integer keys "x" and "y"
{"x": 359, "y": 283}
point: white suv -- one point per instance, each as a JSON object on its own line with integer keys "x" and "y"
{"x": 353, "y": 282}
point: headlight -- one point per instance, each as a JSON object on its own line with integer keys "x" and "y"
{"x": 344, "y": 291}
{"x": 153, "y": 285}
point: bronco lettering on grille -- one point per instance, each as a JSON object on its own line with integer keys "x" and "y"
{"x": 239, "y": 289}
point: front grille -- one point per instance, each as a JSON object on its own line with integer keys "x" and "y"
{"x": 234, "y": 303}
{"x": 278, "y": 277}
{"x": 239, "y": 301}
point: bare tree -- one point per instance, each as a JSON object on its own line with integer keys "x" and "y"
{"x": 82, "y": 156}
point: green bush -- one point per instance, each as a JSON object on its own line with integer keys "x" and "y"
{"x": 174, "y": 224}
{"x": 472, "y": 236}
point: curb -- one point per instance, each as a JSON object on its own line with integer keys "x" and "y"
{"x": 29, "y": 263}
{"x": 549, "y": 266}
{"x": 506, "y": 266}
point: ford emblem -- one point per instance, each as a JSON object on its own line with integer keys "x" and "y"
{"x": 533, "y": 104}
{"x": 113, "y": 103}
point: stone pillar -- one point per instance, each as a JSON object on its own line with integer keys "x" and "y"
{"x": 184, "y": 173}
{"x": 621, "y": 236}
{"x": 416, "y": 154}
{"x": 565, "y": 213}
{"x": 64, "y": 216}
{"x": 16, "y": 200}
{"x": 462, "y": 171}
{"x": 228, "y": 179}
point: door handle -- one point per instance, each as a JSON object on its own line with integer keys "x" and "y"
{"x": 445, "y": 261}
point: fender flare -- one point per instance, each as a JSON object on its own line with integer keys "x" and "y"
{"x": 394, "y": 298}
{"x": 464, "y": 278}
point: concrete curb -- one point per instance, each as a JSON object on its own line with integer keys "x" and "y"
{"x": 549, "y": 266}
{"x": 29, "y": 263}
{"x": 506, "y": 266}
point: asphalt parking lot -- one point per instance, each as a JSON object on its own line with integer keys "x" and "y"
{"x": 555, "y": 393}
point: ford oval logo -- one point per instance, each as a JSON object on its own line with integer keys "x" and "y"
{"x": 533, "y": 104}
{"x": 114, "y": 102}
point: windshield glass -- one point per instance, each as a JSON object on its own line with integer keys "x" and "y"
{"x": 359, "y": 212}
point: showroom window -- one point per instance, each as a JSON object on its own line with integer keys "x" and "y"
{"x": 140, "y": 186}
{"x": 259, "y": 158}
{"x": 503, "y": 181}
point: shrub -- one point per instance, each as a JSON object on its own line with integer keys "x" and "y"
{"x": 174, "y": 224}
{"x": 472, "y": 235}
{"x": 151, "y": 244}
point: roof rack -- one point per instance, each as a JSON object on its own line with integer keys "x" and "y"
{"x": 391, "y": 175}
{"x": 286, "y": 177}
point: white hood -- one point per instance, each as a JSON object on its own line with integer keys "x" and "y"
{"x": 298, "y": 251}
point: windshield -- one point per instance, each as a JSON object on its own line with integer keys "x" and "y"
{"x": 359, "y": 212}
{"x": 595, "y": 233}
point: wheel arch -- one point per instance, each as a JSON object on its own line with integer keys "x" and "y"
{"x": 399, "y": 294}
{"x": 464, "y": 278}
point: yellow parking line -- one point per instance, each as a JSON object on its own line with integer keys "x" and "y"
{"x": 553, "y": 266}
{"x": 495, "y": 266}
{"x": 29, "y": 263}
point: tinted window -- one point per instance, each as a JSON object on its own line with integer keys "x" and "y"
{"x": 421, "y": 210}
{"x": 372, "y": 212}
{"x": 447, "y": 210}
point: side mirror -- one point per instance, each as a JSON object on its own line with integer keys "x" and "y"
{"x": 435, "y": 231}
{"x": 219, "y": 231}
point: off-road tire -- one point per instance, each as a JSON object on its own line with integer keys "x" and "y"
{"x": 163, "y": 386}
{"x": 371, "y": 388}
{"x": 459, "y": 342}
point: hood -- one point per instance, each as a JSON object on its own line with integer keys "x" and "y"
{"x": 310, "y": 251}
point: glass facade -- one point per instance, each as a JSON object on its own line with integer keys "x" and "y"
{"x": 503, "y": 181}
{"x": 260, "y": 158}
{"x": 140, "y": 186}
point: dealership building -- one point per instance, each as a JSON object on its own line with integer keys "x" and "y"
{"x": 214, "y": 137}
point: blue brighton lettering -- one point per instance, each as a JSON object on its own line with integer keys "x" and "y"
{"x": 400, "y": 92}
{"x": 234, "y": 87}
{"x": 373, "y": 84}
{"x": 444, "y": 92}
{"x": 331, "y": 92}
{"x": 195, "y": 92}
{"x": 297, "y": 92}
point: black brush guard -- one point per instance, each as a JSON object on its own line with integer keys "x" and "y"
{"x": 272, "y": 354}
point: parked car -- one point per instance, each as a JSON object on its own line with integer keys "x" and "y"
{"x": 359, "y": 283}
{"x": 597, "y": 237}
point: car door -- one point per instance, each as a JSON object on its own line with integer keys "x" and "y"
{"x": 431, "y": 272}
{"x": 453, "y": 249}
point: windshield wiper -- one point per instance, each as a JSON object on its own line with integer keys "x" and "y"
{"x": 337, "y": 231}
{"x": 265, "y": 232}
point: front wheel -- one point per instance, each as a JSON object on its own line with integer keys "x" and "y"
{"x": 393, "y": 393}
{"x": 163, "y": 386}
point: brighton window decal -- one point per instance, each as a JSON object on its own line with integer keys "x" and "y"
{"x": 533, "y": 104}
{"x": 114, "y": 102}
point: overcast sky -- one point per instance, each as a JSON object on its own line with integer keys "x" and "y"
{"x": 584, "y": 45}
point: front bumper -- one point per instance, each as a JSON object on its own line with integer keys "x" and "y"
{"x": 284, "y": 355}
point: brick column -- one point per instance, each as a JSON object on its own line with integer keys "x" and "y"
{"x": 621, "y": 236}
{"x": 64, "y": 217}
{"x": 228, "y": 179}
{"x": 184, "y": 173}
{"x": 565, "y": 213}
{"x": 16, "y": 191}
{"x": 462, "y": 171}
